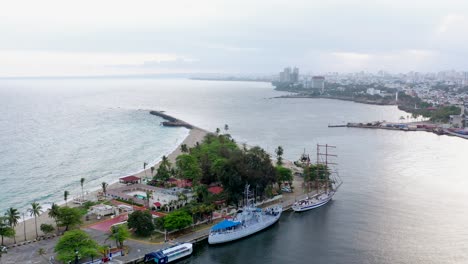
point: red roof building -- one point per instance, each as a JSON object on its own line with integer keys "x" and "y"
{"x": 130, "y": 179}
{"x": 215, "y": 189}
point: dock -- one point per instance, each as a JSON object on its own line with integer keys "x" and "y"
{"x": 170, "y": 120}
{"x": 426, "y": 127}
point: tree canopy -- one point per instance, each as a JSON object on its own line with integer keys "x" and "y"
{"x": 119, "y": 233}
{"x": 141, "y": 222}
{"x": 5, "y": 229}
{"x": 69, "y": 217}
{"x": 283, "y": 174}
{"x": 76, "y": 242}
{"x": 177, "y": 220}
{"x": 188, "y": 168}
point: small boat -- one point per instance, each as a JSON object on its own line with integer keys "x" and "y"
{"x": 169, "y": 254}
{"x": 325, "y": 191}
{"x": 248, "y": 221}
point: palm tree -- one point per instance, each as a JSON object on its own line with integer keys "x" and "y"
{"x": 152, "y": 171}
{"x": 42, "y": 252}
{"x": 144, "y": 167}
{"x": 65, "y": 197}
{"x": 183, "y": 148}
{"x": 35, "y": 210}
{"x": 226, "y": 128}
{"x": 5, "y": 229}
{"x": 82, "y": 180}
{"x": 119, "y": 233}
{"x": 54, "y": 213}
{"x": 13, "y": 216}
{"x": 218, "y": 130}
{"x": 104, "y": 188}
{"x": 149, "y": 195}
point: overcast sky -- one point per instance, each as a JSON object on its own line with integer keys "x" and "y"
{"x": 100, "y": 37}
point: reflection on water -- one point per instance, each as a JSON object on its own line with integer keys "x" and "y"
{"x": 403, "y": 200}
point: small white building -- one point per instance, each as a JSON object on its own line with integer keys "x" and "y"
{"x": 373, "y": 91}
{"x": 103, "y": 209}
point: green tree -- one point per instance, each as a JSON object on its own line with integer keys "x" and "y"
{"x": 76, "y": 242}
{"x": 13, "y": 217}
{"x": 141, "y": 222}
{"x": 177, "y": 220}
{"x": 35, "y": 210}
{"x": 283, "y": 175}
{"x": 279, "y": 155}
{"x": 202, "y": 193}
{"x": 42, "y": 253}
{"x": 149, "y": 195}
{"x": 47, "y": 229}
{"x": 5, "y": 229}
{"x": 184, "y": 148}
{"x": 119, "y": 234}
{"x": 218, "y": 130}
{"x": 164, "y": 170}
{"x": 69, "y": 217}
{"x": 54, "y": 213}
{"x": 65, "y": 197}
{"x": 188, "y": 168}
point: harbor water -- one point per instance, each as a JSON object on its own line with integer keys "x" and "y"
{"x": 403, "y": 199}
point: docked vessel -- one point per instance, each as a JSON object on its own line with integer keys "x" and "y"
{"x": 249, "y": 220}
{"x": 170, "y": 254}
{"x": 326, "y": 182}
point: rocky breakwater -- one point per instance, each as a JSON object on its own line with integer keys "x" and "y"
{"x": 170, "y": 120}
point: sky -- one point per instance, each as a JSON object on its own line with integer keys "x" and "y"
{"x": 113, "y": 37}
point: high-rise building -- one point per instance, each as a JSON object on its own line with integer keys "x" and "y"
{"x": 288, "y": 76}
{"x": 318, "y": 82}
{"x": 295, "y": 75}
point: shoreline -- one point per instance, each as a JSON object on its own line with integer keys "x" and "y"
{"x": 334, "y": 98}
{"x": 195, "y": 135}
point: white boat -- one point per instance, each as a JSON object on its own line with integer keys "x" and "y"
{"x": 313, "y": 202}
{"x": 331, "y": 184}
{"x": 248, "y": 221}
{"x": 170, "y": 254}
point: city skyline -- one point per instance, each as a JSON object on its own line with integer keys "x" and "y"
{"x": 88, "y": 38}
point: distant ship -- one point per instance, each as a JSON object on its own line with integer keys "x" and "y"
{"x": 326, "y": 181}
{"x": 249, "y": 220}
{"x": 169, "y": 254}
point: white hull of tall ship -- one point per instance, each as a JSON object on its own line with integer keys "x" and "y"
{"x": 243, "y": 231}
{"x": 312, "y": 203}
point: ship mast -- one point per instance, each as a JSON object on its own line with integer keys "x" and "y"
{"x": 326, "y": 163}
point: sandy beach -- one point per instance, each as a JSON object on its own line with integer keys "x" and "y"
{"x": 195, "y": 135}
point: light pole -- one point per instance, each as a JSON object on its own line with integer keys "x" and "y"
{"x": 24, "y": 227}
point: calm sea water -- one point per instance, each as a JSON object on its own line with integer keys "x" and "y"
{"x": 403, "y": 200}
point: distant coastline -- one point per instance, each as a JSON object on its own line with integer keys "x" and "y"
{"x": 231, "y": 79}
{"x": 342, "y": 98}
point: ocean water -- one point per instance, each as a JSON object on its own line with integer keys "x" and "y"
{"x": 403, "y": 200}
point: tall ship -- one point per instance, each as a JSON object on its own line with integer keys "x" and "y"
{"x": 326, "y": 180}
{"x": 170, "y": 254}
{"x": 248, "y": 220}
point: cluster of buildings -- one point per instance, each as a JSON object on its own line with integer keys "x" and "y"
{"x": 460, "y": 121}
{"x": 445, "y": 87}
{"x": 291, "y": 77}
